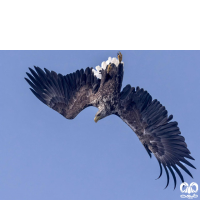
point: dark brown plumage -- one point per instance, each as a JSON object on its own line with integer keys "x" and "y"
{"x": 72, "y": 93}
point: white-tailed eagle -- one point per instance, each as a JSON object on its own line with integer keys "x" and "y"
{"x": 70, "y": 94}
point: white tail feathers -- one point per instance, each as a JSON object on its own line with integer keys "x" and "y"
{"x": 104, "y": 64}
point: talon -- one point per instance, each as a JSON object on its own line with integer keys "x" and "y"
{"x": 109, "y": 68}
{"x": 119, "y": 55}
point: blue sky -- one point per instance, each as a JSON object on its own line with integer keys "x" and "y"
{"x": 45, "y": 156}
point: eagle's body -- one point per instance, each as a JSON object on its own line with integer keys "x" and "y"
{"x": 72, "y": 93}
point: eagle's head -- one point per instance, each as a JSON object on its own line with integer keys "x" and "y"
{"x": 100, "y": 114}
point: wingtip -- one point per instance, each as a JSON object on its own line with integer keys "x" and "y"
{"x": 190, "y": 157}
{"x": 167, "y": 173}
{"x": 160, "y": 169}
{"x": 166, "y": 186}
{"x": 158, "y": 177}
{"x": 173, "y": 175}
{"x": 26, "y": 79}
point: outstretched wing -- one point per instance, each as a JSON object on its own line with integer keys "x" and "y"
{"x": 68, "y": 94}
{"x": 150, "y": 121}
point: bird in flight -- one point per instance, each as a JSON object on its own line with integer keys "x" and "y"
{"x": 101, "y": 87}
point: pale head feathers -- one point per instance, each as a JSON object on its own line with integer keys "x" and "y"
{"x": 104, "y": 64}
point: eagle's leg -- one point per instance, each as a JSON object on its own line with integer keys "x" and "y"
{"x": 109, "y": 68}
{"x": 120, "y": 72}
{"x": 119, "y": 55}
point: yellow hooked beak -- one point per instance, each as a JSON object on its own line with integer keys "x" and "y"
{"x": 96, "y": 119}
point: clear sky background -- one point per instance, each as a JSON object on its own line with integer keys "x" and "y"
{"x": 45, "y": 156}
